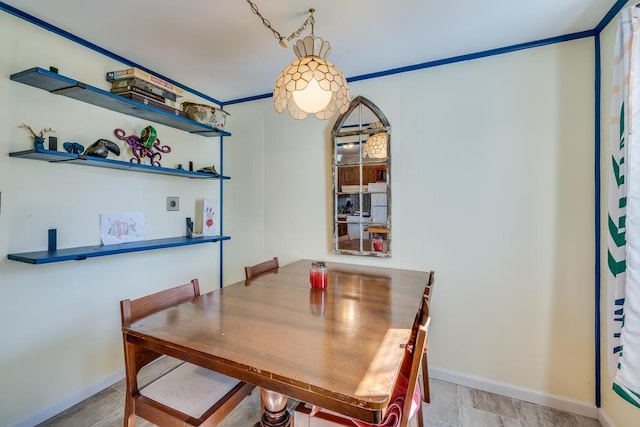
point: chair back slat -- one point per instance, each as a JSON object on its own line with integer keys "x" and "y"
{"x": 419, "y": 345}
{"x": 263, "y": 267}
{"x": 426, "y": 391}
{"x": 428, "y": 290}
{"x": 133, "y": 310}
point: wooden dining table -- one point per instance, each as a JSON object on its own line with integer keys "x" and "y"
{"x": 339, "y": 348}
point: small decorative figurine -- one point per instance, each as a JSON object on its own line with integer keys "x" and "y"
{"x": 101, "y": 148}
{"x": 73, "y": 147}
{"x": 148, "y": 136}
{"x": 38, "y": 139}
{"x": 209, "y": 169}
{"x": 140, "y": 149}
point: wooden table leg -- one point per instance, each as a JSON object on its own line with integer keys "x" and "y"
{"x": 275, "y": 409}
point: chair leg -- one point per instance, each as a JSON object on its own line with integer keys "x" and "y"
{"x": 426, "y": 393}
{"x": 129, "y": 418}
{"x": 419, "y": 418}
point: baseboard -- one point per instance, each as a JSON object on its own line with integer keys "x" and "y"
{"x": 604, "y": 419}
{"x": 553, "y": 401}
{"x": 69, "y": 401}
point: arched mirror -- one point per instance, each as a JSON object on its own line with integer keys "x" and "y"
{"x": 362, "y": 181}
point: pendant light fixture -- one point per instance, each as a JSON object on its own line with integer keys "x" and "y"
{"x": 376, "y": 145}
{"x": 310, "y": 84}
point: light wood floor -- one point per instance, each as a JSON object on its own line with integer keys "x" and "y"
{"x": 452, "y": 406}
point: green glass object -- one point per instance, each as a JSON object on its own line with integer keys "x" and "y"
{"x": 148, "y": 136}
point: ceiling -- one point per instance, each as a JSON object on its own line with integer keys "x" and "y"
{"x": 220, "y": 48}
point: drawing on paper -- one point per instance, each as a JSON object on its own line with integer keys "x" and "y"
{"x": 121, "y": 227}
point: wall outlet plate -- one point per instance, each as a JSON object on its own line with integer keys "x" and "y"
{"x": 173, "y": 203}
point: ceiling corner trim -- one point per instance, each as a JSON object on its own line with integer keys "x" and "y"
{"x": 248, "y": 99}
{"x": 476, "y": 55}
{"x": 606, "y": 19}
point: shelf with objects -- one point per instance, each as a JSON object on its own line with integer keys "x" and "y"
{"x": 361, "y": 181}
{"x": 84, "y": 252}
{"x": 57, "y": 84}
{"x": 60, "y": 85}
{"x": 54, "y": 156}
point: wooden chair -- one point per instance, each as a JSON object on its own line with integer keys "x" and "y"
{"x": 263, "y": 267}
{"x": 187, "y": 395}
{"x": 426, "y": 391}
{"x": 405, "y": 402}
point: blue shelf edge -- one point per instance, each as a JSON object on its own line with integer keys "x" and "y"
{"x": 79, "y": 159}
{"x": 58, "y": 84}
{"x": 81, "y": 253}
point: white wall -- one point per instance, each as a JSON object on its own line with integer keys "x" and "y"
{"x": 622, "y": 413}
{"x": 60, "y": 323}
{"x": 492, "y": 187}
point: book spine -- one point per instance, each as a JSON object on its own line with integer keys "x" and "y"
{"x": 136, "y": 72}
{"x": 144, "y": 85}
{"x": 131, "y": 89}
{"x": 152, "y": 102}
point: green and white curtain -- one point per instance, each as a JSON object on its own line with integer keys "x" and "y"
{"x": 624, "y": 212}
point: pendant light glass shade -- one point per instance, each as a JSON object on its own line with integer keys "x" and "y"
{"x": 376, "y": 146}
{"x": 312, "y": 98}
{"x": 311, "y": 84}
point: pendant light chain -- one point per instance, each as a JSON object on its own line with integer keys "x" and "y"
{"x": 282, "y": 40}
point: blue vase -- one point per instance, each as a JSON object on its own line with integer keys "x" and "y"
{"x": 38, "y": 142}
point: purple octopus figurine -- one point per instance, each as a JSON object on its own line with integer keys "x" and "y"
{"x": 149, "y": 148}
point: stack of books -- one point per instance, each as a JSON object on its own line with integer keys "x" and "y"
{"x": 138, "y": 85}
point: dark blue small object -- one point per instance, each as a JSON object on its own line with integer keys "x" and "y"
{"x": 53, "y": 240}
{"x": 73, "y": 147}
{"x": 53, "y": 143}
{"x": 189, "y": 224}
{"x": 38, "y": 143}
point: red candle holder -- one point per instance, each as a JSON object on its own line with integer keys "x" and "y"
{"x": 318, "y": 276}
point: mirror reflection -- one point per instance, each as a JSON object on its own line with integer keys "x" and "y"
{"x": 361, "y": 181}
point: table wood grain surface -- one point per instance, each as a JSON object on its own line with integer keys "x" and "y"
{"x": 339, "y": 348}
